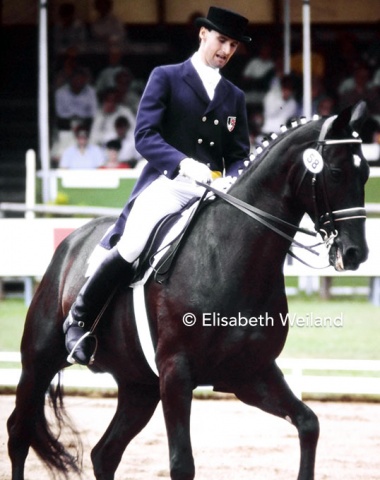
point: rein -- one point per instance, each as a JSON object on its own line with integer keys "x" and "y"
{"x": 262, "y": 217}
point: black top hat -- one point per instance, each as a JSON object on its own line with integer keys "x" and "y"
{"x": 226, "y": 22}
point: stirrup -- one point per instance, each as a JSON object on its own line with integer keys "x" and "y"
{"x": 70, "y": 357}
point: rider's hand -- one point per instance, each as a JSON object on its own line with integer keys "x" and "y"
{"x": 197, "y": 171}
{"x": 223, "y": 184}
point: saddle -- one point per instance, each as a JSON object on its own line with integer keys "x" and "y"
{"x": 163, "y": 244}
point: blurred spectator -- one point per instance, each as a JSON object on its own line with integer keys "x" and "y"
{"x": 75, "y": 99}
{"x": 107, "y": 29}
{"x": 128, "y": 90}
{"x": 125, "y": 135}
{"x": 69, "y": 31}
{"x": 63, "y": 139}
{"x": 117, "y": 75}
{"x": 360, "y": 71}
{"x": 344, "y": 54}
{"x": 317, "y": 93}
{"x": 112, "y": 155}
{"x": 103, "y": 127}
{"x": 376, "y": 77}
{"x": 326, "y": 106}
{"x": 255, "y": 116}
{"x": 371, "y": 54}
{"x": 67, "y": 64}
{"x": 258, "y": 74}
{"x": 374, "y": 97}
{"x": 355, "y": 88}
{"x": 82, "y": 155}
{"x": 279, "y": 105}
{"x": 106, "y": 77}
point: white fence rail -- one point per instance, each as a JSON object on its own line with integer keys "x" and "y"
{"x": 302, "y": 383}
{"x": 27, "y": 246}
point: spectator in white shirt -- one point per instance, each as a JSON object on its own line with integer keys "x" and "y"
{"x": 82, "y": 155}
{"x": 257, "y": 75}
{"x": 103, "y": 127}
{"x": 75, "y": 99}
{"x": 106, "y": 77}
{"x": 279, "y": 105}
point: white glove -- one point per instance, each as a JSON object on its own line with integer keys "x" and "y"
{"x": 223, "y": 184}
{"x": 197, "y": 171}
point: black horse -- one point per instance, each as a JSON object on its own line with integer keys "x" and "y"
{"x": 229, "y": 267}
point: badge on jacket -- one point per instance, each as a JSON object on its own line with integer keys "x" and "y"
{"x": 231, "y": 122}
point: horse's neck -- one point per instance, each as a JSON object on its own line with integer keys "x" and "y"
{"x": 245, "y": 243}
{"x": 267, "y": 188}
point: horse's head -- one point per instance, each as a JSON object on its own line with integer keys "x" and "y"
{"x": 337, "y": 172}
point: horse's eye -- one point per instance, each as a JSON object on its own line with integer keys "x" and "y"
{"x": 336, "y": 174}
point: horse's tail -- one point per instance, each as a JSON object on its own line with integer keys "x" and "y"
{"x": 46, "y": 440}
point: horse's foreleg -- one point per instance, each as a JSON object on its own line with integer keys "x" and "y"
{"x": 270, "y": 393}
{"x": 136, "y": 405}
{"x": 176, "y": 395}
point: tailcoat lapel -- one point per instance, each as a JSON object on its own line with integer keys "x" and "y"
{"x": 220, "y": 94}
{"x": 191, "y": 77}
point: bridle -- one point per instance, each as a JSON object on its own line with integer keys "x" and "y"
{"x": 323, "y": 224}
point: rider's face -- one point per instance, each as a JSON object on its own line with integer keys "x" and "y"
{"x": 215, "y": 48}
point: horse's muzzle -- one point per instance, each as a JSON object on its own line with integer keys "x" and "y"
{"x": 347, "y": 258}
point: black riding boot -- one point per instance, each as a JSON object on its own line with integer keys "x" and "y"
{"x": 89, "y": 302}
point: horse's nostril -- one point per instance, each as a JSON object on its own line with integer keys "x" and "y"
{"x": 354, "y": 256}
{"x": 352, "y": 253}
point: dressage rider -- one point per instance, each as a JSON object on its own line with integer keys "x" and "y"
{"x": 191, "y": 126}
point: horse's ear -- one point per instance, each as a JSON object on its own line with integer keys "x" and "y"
{"x": 359, "y": 115}
{"x": 353, "y": 116}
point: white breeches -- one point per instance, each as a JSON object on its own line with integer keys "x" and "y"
{"x": 160, "y": 198}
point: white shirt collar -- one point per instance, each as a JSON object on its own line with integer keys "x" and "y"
{"x": 210, "y": 76}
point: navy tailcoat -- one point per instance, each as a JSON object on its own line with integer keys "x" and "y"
{"x": 176, "y": 119}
